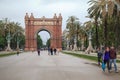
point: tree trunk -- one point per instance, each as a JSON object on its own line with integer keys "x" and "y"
{"x": 97, "y": 41}
{"x": 105, "y": 32}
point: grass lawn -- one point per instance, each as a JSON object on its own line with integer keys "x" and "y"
{"x": 93, "y": 58}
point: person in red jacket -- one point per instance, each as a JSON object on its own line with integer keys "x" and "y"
{"x": 113, "y": 57}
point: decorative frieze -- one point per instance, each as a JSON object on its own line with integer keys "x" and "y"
{"x": 43, "y": 23}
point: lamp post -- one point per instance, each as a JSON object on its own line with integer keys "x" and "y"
{"x": 90, "y": 48}
{"x": 18, "y": 38}
{"x": 67, "y": 39}
{"x": 75, "y": 43}
{"x": 75, "y": 36}
{"x": 8, "y": 38}
{"x": 18, "y": 41}
{"x": 89, "y": 34}
{"x": 8, "y": 42}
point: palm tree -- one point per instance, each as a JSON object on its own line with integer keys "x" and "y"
{"x": 71, "y": 26}
{"x": 102, "y": 9}
{"x": 88, "y": 30}
{"x": 6, "y": 26}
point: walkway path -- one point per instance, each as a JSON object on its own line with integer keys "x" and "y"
{"x": 30, "y": 66}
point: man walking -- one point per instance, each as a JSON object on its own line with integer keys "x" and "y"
{"x": 113, "y": 57}
{"x": 55, "y": 51}
{"x": 99, "y": 55}
{"x": 17, "y": 52}
{"x": 51, "y": 50}
{"x": 38, "y": 52}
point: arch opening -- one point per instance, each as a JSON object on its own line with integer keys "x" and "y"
{"x": 43, "y": 39}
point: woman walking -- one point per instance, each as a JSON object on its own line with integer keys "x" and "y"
{"x": 106, "y": 58}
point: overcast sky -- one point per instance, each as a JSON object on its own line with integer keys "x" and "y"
{"x": 15, "y": 10}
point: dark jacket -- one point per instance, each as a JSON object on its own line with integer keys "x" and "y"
{"x": 38, "y": 51}
{"x": 107, "y": 55}
{"x": 99, "y": 54}
{"x": 113, "y": 54}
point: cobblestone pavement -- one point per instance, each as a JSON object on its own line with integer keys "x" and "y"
{"x": 30, "y": 66}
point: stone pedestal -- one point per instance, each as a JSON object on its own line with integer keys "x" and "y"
{"x": 75, "y": 45}
{"x": 82, "y": 45}
{"x": 17, "y": 45}
{"x": 8, "y": 47}
{"x": 90, "y": 48}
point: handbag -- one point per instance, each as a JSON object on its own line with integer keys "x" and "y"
{"x": 103, "y": 66}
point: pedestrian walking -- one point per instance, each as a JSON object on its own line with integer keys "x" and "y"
{"x": 38, "y": 52}
{"x": 99, "y": 55}
{"x": 113, "y": 57}
{"x": 58, "y": 51}
{"x": 106, "y": 58}
{"x": 51, "y": 50}
{"x": 55, "y": 51}
{"x": 17, "y": 52}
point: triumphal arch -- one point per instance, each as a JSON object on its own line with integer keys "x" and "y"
{"x": 34, "y": 25}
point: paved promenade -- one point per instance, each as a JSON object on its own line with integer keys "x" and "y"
{"x": 30, "y": 66}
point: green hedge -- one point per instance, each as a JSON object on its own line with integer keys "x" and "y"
{"x": 7, "y": 54}
{"x": 93, "y": 58}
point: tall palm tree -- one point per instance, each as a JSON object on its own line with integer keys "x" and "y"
{"x": 101, "y": 9}
{"x": 71, "y": 26}
{"x": 6, "y": 26}
{"x": 88, "y": 29}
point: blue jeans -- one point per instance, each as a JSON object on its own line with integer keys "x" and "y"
{"x": 114, "y": 62}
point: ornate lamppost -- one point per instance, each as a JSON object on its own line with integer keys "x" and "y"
{"x": 18, "y": 40}
{"x": 89, "y": 34}
{"x": 75, "y": 36}
{"x": 75, "y": 43}
{"x": 67, "y": 40}
{"x": 8, "y": 37}
{"x": 90, "y": 48}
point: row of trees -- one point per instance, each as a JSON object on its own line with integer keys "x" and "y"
{"x": 104, "y": 25}
{"x": 17, "y": 33}
{"x": 9, "y": 27}
{"x": 40, "y": 43}
{"x": 106, "y": 16}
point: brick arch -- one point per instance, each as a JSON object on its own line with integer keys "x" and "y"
{"x": 34, "y": 25}
{"x": 43, "y": 29}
